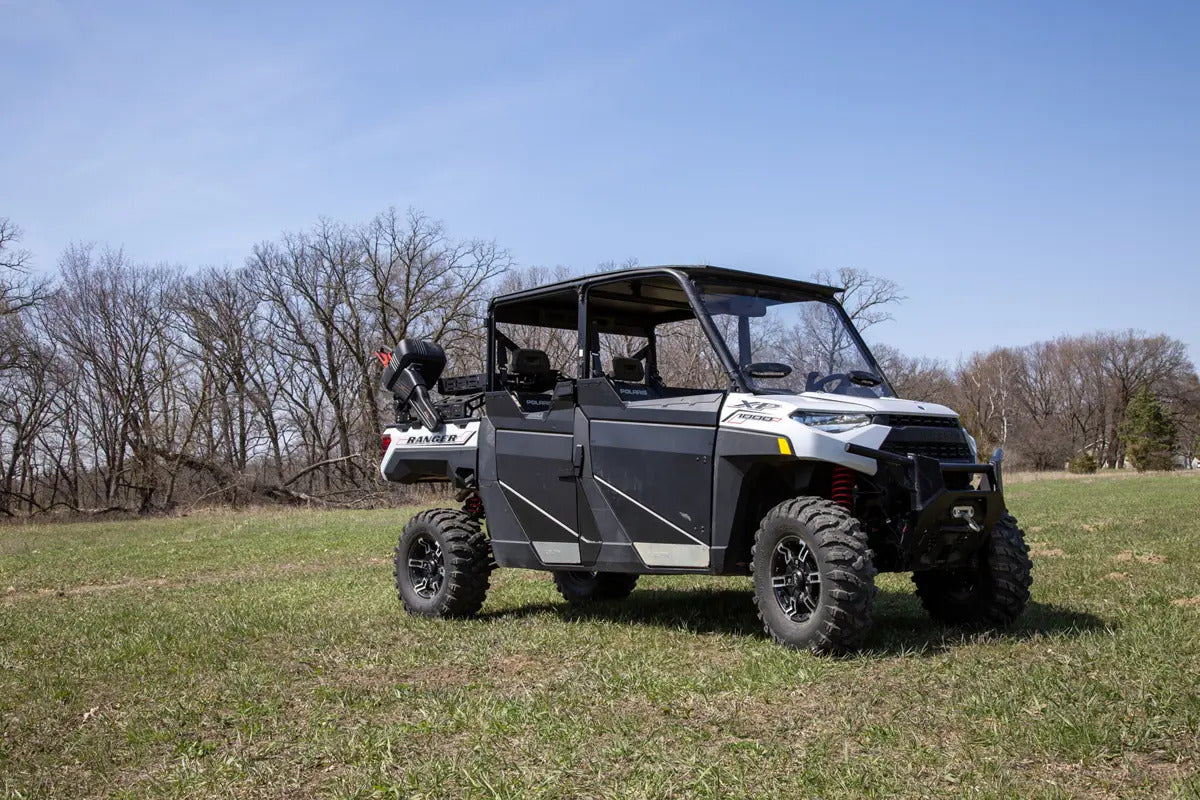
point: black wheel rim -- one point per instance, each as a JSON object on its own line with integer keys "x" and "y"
{"x": 426, "y": 566}
{"x": 795, "y": 578}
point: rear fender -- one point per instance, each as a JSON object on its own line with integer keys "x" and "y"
{"x": 416, "y": 454}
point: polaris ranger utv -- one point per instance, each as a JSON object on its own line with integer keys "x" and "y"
{"x": 671, "y": 420}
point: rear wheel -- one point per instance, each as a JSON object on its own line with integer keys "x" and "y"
{"x": 991, "y": 593}
{"x": 581, "y": 586}
{"x": 813, "y": 576}
{"x": 443, "y": 564}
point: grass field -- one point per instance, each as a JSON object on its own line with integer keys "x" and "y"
{"x": 266, "y": 655}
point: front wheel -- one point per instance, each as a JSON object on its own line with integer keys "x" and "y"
{"x": 814, "y": 581}
{"x": 991, "y": 593}
{"x": 443, "y": 564}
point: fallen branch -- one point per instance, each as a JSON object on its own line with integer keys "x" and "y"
{"x": 229, "y": 478}
{"x": 317, "y": 465}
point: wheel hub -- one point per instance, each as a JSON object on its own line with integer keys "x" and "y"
{"x": 795, "y": 578}
{"x": 426, "y": 566}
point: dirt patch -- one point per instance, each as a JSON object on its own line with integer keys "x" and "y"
{"x": 1048, "y": 552}
{"x": 1144, "y": 558}
{"x": 86, "y": 589}
{"x": 1117, "y": 576}
{"x": 1192, "y": 602}
{"x": 1107, "y": 778}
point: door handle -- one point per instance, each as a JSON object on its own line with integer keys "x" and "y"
{"x": 576, "y": 465}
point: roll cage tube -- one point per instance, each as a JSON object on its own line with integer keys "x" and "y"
{"x": 737, "y": 381}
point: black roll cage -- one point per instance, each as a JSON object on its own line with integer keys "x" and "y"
{"x": 584, "y": 286}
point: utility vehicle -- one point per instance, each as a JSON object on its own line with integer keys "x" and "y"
{"x": 695, "y": 419}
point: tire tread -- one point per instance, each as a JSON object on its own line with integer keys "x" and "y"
{"x": 1003, "y": 590}
{"x": 468, "y": 562}
{"x": 849, "y": 585}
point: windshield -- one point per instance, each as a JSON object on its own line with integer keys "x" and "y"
{"x": 785, "y": 343}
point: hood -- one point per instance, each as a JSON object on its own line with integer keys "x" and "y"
{"x": 821, "y": 401}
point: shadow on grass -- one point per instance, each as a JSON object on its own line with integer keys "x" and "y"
{"x": 900, "y": 626}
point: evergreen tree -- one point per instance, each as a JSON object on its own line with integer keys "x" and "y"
{"x": 1149, "y": 432}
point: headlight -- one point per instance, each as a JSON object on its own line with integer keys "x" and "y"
{"x": 831, "y": 423}
{"x": 974, "y": 447}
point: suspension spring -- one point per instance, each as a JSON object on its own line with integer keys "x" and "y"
{"x": 843, "y": 486}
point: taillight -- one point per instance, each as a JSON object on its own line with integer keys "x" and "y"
{"x": 384, "y": 441}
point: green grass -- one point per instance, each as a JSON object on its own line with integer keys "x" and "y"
{"x": 266, "y": 655}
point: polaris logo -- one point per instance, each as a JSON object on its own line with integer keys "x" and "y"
{"x": 444, "y": 438}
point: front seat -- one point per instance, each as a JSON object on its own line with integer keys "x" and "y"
{"x": 628, "y": 377}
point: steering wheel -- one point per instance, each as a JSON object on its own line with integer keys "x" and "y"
{"x": 819, "y": 384}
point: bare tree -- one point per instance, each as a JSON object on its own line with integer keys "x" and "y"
{"x": 867, "y": 298}
{"x": 986, "y": 396}
{"x": 17, "y": 290}
{"x": 111, "y": 318}
{"x": 1130, "y": 360}
{"x": 915, "y": 377}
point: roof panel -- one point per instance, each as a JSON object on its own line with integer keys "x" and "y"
{"x": 642, "y": 296}
{"x": 700, "y": 272}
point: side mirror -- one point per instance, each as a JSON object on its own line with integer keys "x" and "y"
{"x": 768, "y": 369}
{"x": 860, "y": 377}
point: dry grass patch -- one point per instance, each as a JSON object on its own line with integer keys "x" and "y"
{"x": 1143, "y": 558}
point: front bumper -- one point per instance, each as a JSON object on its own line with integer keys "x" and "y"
{"x": 943, "y": 527}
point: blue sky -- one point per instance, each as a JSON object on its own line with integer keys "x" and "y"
{"x": 1022, "y": 169}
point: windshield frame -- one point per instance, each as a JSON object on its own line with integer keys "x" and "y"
{"x": 781, "y": 296}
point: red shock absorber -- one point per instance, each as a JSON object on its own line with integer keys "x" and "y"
{"x": 843, "y": 486}
{"x": 474, "y": 505}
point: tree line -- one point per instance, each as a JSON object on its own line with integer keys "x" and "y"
{"x": 133, "y": 387}
{"x": 1066, "y": 401}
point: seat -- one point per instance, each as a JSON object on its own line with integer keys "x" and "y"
{"x": 628, "y": 377}
{"x": 628, "y": 370}
{"x": 532, "y": 371}
{"x": 532, "y": 379}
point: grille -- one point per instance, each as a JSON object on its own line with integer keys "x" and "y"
{"x": 939, "y": 450}
{"x": 934, "y": 437}
{"x": 917, "y": 420}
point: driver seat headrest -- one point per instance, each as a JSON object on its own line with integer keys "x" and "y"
{"x": 629, "y": 370}
{"x": 530, "y": 363}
